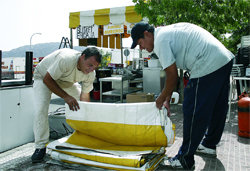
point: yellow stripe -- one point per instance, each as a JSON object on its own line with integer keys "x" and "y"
{"x": 120, "y": 134}
{"x": 151, "y": 168}
{"x": 102, "y": 16}
{"x": 74, "y": 19}
{"x": 83, "y": 140}
{"x": 131, "y": 15}
{"x": 92, "y": 165}
{"x": 108, "y": 160}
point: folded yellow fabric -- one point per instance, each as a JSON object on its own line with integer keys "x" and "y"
{"x": 148, "y": 166}
{"x": 103, "y": 156}
{"x": 119, "y": 129}
{"x": 136, "y": 124}
{"x": 117, "y": 136}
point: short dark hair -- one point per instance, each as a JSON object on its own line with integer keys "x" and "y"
{"x": 92, "y": 51}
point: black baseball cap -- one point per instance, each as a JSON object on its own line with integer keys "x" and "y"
{"x": 137, "y": 32}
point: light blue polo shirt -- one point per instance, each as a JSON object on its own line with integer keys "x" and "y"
{"x": 191, "y": 47}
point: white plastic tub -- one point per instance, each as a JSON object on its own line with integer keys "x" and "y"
{"x": 154, "y": 63}
{"x": 174, "y": 98}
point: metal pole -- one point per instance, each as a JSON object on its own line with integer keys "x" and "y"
{"x": 100, "y": 90}
{"x": 71, "y": 38}
{"x": 1, "y": 68}
{"x": 31, "y": 38}
{"x": 140, "y": 53}
{"x": 28, "y": 68}
{"x": 121, "y": 49}
{"x": 122, "y": 69}
{"x": 121, "y": 98}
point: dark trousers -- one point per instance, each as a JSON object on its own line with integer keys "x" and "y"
{"x": 205, "y": 109}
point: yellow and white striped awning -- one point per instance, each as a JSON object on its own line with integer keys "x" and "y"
{"x": 116, "y": 16}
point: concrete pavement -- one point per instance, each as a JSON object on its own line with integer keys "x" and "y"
{"x": 233, "y": 152}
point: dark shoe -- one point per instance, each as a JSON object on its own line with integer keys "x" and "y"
{"x": 38, "y": 155}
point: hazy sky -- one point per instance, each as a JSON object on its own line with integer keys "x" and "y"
{"x": 22, "y": 18}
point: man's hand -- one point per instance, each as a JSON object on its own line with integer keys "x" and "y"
{"x": 53, "y": 86}
{"x": 159, "y": 101}
{"x": 72, "y": 102}
{"x": 166, "y": 104}
{"x": 170, "y": 83}
{"x": 162, "y": 101}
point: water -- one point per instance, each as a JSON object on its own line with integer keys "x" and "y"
{"x": 16, "y": 64}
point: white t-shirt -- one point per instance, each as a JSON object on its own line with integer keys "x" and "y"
{"x": 191, "y": 47}
{"x": 62, "y": 66}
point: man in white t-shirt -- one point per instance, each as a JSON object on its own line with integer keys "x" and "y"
{"x": 60, "y": 73}
{"x": 190, "y": 47}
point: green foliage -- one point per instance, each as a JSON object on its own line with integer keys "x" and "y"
{"x": 106, "y": 58}
{"x": 219, "y": 17}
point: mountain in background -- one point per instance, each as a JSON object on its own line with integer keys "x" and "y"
{"x": 39, "y": 50}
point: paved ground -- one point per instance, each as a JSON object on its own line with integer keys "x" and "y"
{"x": 233, "y": 152}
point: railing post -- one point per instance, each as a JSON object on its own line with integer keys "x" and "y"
{"x": 28, "y": 68}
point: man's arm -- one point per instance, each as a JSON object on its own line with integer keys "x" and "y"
{"x": 85, "y": 97}
{"x": 53, "y": 86}
{"x": 170, "y": 84}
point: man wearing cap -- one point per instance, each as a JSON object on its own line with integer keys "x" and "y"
{"x": 191, "y": 48}
{"x": 60, "y": 73}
